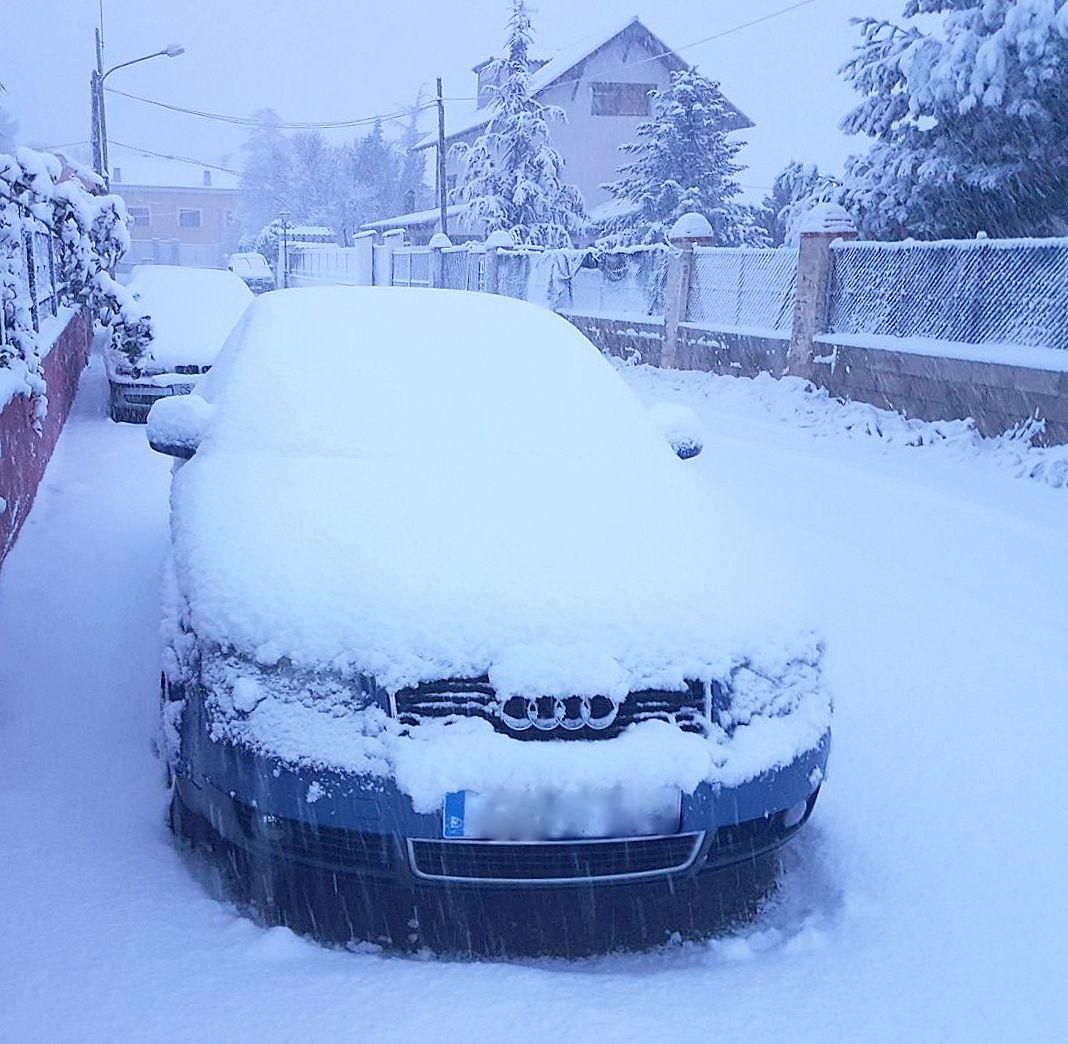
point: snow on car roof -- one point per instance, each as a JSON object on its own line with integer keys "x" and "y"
{"x": 192, "y": 309}
{"x": 423, "y": 484}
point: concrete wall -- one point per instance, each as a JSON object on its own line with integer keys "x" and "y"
{"x": 24, "y": 452}
{"x": 634, "y": 340}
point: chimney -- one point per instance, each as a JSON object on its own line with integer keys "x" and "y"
{"x": 207, "y": 179}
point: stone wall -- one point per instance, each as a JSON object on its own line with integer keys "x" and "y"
{"x": 636, "y": 339}
{"x": 996, "y": 396}
{"x": 24, "y": 451}
{"x": 736, "y": 355}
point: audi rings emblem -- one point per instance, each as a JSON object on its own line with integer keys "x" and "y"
{"x": 546, "y": 713}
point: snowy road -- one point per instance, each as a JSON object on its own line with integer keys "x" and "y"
{"x": 924, "y": 903}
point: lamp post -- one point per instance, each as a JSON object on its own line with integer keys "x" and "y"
{"x": 285, "y": 247}
{"x": 100, "y": 125}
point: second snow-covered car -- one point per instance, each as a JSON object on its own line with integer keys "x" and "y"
{"x": 459, "y": 651}
{"x": 188, "y": 313}
{"x": 253, "y": 270}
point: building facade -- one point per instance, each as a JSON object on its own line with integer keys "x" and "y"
{"x": 181, "y": 213}
{"x": 602, "y": 88}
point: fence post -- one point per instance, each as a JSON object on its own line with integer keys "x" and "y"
{"x": 364, "y": 245}
{"x": 391, "y": 240}
{"x": 819, "y": 229}
{"x": 689, "y": 231}
{"x": 497, "y": 241}
{"x": 438, "y": 242}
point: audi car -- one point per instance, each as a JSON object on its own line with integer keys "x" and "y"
{"x": 460, "y": 651}
{"x": 188, "y": 313}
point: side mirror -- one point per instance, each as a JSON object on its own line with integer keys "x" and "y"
{"x": 680, "y": 426}
{"x": 177, "y": 423}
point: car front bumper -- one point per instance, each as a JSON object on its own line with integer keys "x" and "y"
{"x": 368, "y": 827}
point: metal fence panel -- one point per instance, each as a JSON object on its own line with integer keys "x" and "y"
{"x": 742, "y": 288}
{"x": 973, "y": 291}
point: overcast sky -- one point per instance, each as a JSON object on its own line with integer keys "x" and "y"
{"x": 339, "y": 59}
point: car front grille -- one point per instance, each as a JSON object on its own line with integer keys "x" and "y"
{"x": 688, "y": 709}
{"x": 553, "y": 861}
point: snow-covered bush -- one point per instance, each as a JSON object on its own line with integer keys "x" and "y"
{"x": 40, "y": 192}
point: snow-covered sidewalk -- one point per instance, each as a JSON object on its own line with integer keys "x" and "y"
{"x": 924, "y": 902}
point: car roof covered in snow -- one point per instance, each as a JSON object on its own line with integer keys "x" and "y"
{"x": 422, "y": 484}
{"x": 192, "y": 311}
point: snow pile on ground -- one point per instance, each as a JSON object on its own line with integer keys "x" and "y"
{"x": 793, "y": 401}
{"x": 191, "y": 312}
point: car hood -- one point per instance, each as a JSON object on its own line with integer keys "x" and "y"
{"x": 580, "y": 574}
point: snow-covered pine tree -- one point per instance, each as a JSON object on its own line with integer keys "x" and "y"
{"x": 682, "y": 161}
{"x": 968, "y": 103}
{"x": 797, "y": 189}
{"x": 267, "y": 173}
{"x": 511, "y": 173}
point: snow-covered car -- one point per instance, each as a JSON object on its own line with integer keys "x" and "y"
{"x": 459, "y": 650}
{"x": 190, "y": 312}
{"x": 253, "y": 270}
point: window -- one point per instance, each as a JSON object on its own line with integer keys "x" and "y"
{"x": 189, "y": 218}
{"x": 139, "y": 217}
{"x": 621, "y": 99}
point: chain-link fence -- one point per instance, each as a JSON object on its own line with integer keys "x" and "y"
{"x": 975, "y": 291}
{"x": 743, "y": 289}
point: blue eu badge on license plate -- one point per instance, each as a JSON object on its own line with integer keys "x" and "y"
{"x": 453, "y": 815}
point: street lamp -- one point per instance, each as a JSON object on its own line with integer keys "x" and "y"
{"x": 100, "y": 124}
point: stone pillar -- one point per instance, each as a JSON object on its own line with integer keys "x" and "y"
{"x": 689, "y": 231}
{"x": 438, "y": 242}
{"x": 364, "y": 245}
{"x": 496, "y": 241}
{"x": 815, "y": 259}
{"x": 392, "y": 239}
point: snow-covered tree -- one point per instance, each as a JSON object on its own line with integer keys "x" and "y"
{"x": 511, "y": 175}
{"x": 267, "y": 172}
{"x": 797, "y": 189}
{"x": 968, "y": 103}
{"x": 682, "y": 161}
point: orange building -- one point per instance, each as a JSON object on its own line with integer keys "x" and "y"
{"x": 181, "y": 213}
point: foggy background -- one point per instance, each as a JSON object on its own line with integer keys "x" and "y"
{"x": 319, "y": 60}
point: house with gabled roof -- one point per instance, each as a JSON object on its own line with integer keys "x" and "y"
{"x": 602, "y": 85}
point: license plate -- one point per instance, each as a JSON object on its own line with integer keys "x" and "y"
{"x": 558, "y": 815}
{"x": 181, "y": 389}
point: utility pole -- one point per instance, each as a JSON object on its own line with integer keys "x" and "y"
{"x": 442, "y": 191}
{"x": 96, "y": 87}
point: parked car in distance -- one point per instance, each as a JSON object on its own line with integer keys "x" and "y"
{"x": 253, "y": 270}
{"x": 191, "y": 312}
{"x": 459, "y": 652}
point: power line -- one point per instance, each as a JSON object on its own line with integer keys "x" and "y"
{"x": 178, "y": 159}
{"x": 249, "y": 121}
{"x": 706, "y": 39}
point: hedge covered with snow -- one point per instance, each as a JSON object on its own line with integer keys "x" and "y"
{"x": 40, "y": 192}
